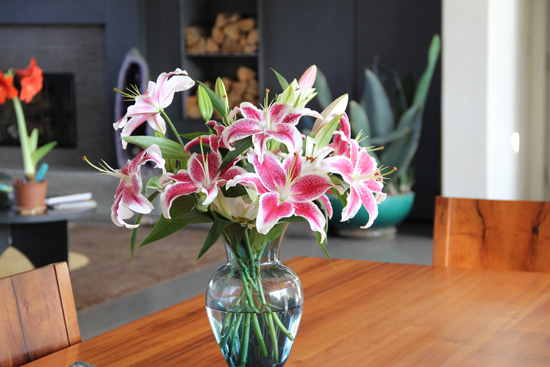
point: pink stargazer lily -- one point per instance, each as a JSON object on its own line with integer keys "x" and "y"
{"x": 285, "y": 191}
{"x": 151, "y": 104}
{"x": 277, "y": 122}
{"x": 202, "y": 176}
{"x": 128, "y": 196}
{"x": 359, "y": 170}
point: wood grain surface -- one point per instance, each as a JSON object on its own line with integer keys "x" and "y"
{"x": 492, "y": 234}
{"x": 361, "y": 313}
{"x": 38, "y": 316}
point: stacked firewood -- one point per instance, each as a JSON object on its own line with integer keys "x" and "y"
{"x": 242, "y": 89}
{"x": 231, "y": 33}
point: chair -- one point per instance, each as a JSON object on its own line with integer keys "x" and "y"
{"x": 37, "y": 316}
{"x": 492, "y": 234}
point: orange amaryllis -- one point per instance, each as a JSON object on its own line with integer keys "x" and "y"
{"x": 31, "y": 80}
{"x": 7, "y": 90}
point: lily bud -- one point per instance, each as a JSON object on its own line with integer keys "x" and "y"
{"x": 308, "y": 77}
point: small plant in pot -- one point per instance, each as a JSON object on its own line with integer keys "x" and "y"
{"x": 393, "y": 127}
{"x": 30, "y": 191}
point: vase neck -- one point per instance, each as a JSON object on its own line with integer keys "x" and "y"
{"x": 265, "y": 254}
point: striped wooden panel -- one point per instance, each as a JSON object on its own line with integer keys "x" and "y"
{"x": 492, "y": 234}
{"x": 37, "y": 318}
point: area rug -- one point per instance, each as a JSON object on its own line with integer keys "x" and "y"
{"x": 112, "y": 272}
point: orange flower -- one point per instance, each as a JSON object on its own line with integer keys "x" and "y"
{"x": 31, "y": 81}
{"x": 7, "y": 90}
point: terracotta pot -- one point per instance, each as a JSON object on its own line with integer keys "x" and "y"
{"x": 29, "y": 197}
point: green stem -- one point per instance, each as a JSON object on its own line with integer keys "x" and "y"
{"x": 273, "y": 334}
{"x": 24, "y": 139}
{"x": 244, "y": 343}
{"x": 259, "y": 333}
{"x": 172, "y": 126}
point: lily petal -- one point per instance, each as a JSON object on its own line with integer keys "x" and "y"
{"x": 271, "y": 210}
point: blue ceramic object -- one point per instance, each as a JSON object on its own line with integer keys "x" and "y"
{"x": 391, "y": 212}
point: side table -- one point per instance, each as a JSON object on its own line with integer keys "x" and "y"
{"x": 44, "y": 238}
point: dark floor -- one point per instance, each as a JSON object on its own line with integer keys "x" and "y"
{"x": 411, "y": 244}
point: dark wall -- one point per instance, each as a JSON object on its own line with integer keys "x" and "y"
{"x": 342, "y": 38}
{"x": 121, "y": 22}
{"x": 400, "y": 32}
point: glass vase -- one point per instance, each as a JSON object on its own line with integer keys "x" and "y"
{"x": 254, "y": 303}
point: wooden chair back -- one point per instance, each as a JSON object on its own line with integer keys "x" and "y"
{"x": 492, "y": 234}
{"x": 37, "y": 316}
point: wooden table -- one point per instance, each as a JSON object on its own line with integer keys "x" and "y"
{"x": 361, "y": 314}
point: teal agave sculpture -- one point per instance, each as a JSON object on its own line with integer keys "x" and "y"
{"x": 394, "y": 123}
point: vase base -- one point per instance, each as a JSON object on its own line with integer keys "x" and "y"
{"x": 388, "y": 233}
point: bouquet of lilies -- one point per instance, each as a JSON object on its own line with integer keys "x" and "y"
{"x": 252, "y": 167}
{"x": 249, "y": 175}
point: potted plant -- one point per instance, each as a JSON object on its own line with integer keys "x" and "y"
{"x": 392, "y": 126}
{"x": 30, "y": 191}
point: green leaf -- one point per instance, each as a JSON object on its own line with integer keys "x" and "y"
{"x": 234, "y": 191}
{"x": 194, "y": 135}
{"x": 359, "y": 123}
{"x": 183, "y": 212}
{"x": 33, "y": 140}
{"x": 169, "y": 148}
{"x": 391, "y": 136}
{"x": 426, "y": 78}
{"x": 282, "y": 81}
{"x": 215, "y": 232}
{"x": 217, "y": 102}
{"x": 205, "y": 104}
{"x": 324, "y": 95}
{"x": 324, "y": 135}
{"x": 240, "y": 147}
{"x": 38, "y": 154}
{"x": 376, "y": 103}
{"x": 401, "y": 152}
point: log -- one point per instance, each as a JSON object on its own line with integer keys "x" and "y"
{"x": 230, "y": 45}
{"x": 238, "y": 87}
{"x": 221, "y": 20}
{"x": 245, "y": 73}
{"x": 194, "y": 34}
{"x": 246, "y": 24}
{"x": 250, "y": 48}
{"x": 217, "y": 35}
{"x": 211, "y": 45}
{"x": 198, "y": 47}
{"x": 252, "y": 37}
{"x": 231, "y": 30}
{"x": 193, "y": 110}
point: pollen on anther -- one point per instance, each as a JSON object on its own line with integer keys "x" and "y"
{"x": 395, "y": 168}
{"x": 84, "y": 158}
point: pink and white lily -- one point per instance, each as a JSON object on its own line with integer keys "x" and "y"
{"x": 150, "y": 105}
{"x": 202, "y": 176}
{"x": 277, "y": 122}
{"x": 128, "y": 196}
{"x": 359, "y": 170}
{"x": 285, "y": 191}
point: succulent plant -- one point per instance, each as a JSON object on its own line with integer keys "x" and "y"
{"x": 394, "y": 123}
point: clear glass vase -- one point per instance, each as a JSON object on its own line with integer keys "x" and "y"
{"x": 254, "y": 303}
